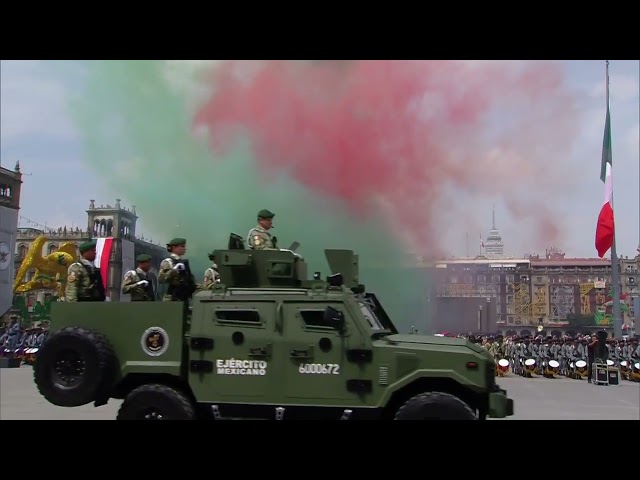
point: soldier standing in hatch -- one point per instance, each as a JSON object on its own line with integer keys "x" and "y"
{"x": 179, "y": 279}
{"x": 136, "y": 282}
{"x": 211, "y": 275}
{"x": 84, "y": 282}
{"x": 259, "y": 237}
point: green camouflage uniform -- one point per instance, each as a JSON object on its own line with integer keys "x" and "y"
{"x": 136, "y": 283}
{"x": 259, "y": 238}
{"x": 211, "y": 277}
{"x": 170, "y": 273}
{"x": 84, "y": 283}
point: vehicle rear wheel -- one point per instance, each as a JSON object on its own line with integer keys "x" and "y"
{"x": 156, "y": 402}
{"x": 435, "y": 406}
{"x": 74, "y": 366}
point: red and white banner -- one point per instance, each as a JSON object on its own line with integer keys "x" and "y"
{"x": 104, "y": 249}
{"x": 103, "y": 255}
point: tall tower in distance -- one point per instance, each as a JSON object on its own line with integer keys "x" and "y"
{"x": 494, "y": 248}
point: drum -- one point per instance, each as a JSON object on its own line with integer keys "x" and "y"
{"x": 623, "y": 363}
{"x": 503, "y": 362}
{"x": 610, "y": 363}
{"x": 529, "y": 362}
{"x": 637, "y": 365}
{"x": 581, "y": 364}
{"x": 554, "y": 364}
{"x": 572, "y": 365}
{"x": 28, "y": 351}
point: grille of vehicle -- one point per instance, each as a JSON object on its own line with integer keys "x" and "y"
{"x": 490, "y": 375}
{"x": 384, "y": 376}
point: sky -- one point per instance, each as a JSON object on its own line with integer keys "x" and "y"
{"x": 37, "y": 130}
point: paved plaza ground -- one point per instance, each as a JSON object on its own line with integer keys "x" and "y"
{"x": 535, "y": 399}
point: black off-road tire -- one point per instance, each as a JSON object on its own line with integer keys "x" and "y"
{"x": 435, "y": 406}
{"x": 156, "y": 402}
{"x": 75, "y": 365}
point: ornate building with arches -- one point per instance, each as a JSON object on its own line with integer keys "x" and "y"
{"x": 104, "y": 221}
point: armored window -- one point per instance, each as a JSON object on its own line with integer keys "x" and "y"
{"x": 235, "y": 316}
{"x": 370, "y": 316}
{"x": 314, "y": 318}
{"x": 281, "y": 270}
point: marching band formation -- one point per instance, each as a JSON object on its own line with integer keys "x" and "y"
{"x": 552, "y": 357}
{"x": 17, "y": 342}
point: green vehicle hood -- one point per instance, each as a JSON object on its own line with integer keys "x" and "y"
{"x": 433, "y": 340}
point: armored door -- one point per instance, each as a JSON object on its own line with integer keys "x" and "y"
{"x": 235, "y": 342}
{"x": 316, "y": 364}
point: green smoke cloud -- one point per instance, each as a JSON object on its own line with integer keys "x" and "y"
{"x": 136, "y": 133}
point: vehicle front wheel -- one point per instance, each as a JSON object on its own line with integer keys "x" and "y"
{"x": 435, "y": 406}
{"x": 156, "y": 402}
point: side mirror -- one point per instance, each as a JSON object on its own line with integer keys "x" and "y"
{"x": 334, "y": 318}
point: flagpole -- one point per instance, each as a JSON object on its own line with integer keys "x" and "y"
{"x": 615, "y": 264}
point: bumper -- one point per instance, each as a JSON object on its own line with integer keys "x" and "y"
{"x": 500, "y": 406}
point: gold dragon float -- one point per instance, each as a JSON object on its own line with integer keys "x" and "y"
{"x": 51, "y": 270}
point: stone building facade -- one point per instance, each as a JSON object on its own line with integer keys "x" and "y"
{"x": 10, "y": 186}
{"x": 536, "y": 291}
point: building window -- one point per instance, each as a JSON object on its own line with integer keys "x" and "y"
{"x": 498, "y": 309}
{"x": 509, "y": 299}
{"x": 453, "y": 279}
{"x": 22, "y": 252}
{"x": 538, "y": 279}
{"x": 495, "y": 278}
{"x": 52, "y": 248}
{"x": 482, "y": 279}
{"x": 509, "y": 278}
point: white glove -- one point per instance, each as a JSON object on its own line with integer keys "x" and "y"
{"x": 179, "y": 267}
{"x": 108, "y": 299}
{"x": 142, "y": 283}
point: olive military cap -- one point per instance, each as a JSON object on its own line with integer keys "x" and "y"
{"x": 177, "y": 241}
{"x": 264, "y": 213}
{"x": 86, "y": 246}
{"x": 143, "y": 257}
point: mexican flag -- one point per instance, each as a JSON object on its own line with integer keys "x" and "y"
{"x": 605, "y": 227}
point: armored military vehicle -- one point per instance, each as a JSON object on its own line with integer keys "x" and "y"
{"x": 266, "y": 343}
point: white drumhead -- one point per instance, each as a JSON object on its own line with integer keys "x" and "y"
{"x": 637, "y": 365}
{"x": 503, "y": 362}
{"x": 581, "y": 364}
{"x": 571, "y": 365}
{"x": 529, "y": 361}
{"x": 609, "y": 362}
{"x": 28, "y": 350}
{"x": 34, "y": 350}
{"x": 554, "y": 364}
{"x": 623, "y": 363}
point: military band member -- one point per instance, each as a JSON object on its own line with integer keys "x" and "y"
{"x": 84, "y": 282}
{"x": 211, "y": 275}
{"x": 175, "y": 274}
{"x": 634, "y": 350}
{"x": 259, "y": 237}
{"x": 136, "y": 282}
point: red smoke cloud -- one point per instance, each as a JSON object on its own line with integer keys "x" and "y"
{"x": 403, "y": 139}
